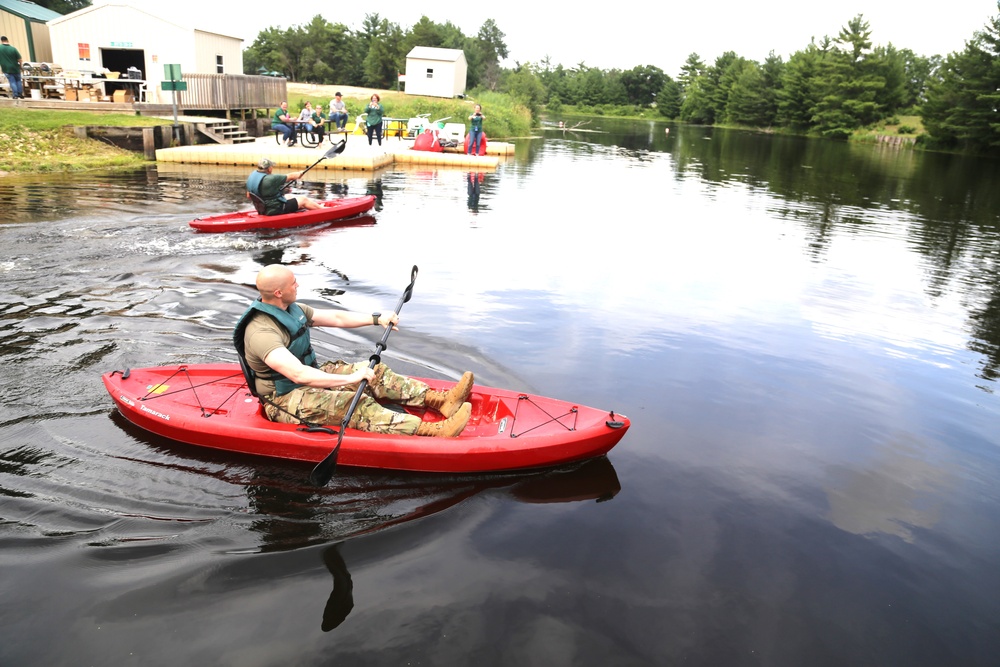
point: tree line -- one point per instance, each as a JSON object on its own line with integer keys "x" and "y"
{"x": 831, "y": 88}
{"x": 373, "y": 56}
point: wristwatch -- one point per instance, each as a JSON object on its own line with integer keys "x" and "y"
{"x": 375, "y": 317}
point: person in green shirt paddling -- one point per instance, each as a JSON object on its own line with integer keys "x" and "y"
{"x": 269, "y": 187}
{"x": 285, "y": 124}
{"x": 373, "y": 119}
{"x": 10, "y": 63}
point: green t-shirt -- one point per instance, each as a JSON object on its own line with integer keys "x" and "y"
{"x": 278, "y": 117}
{"x": 270, "y": 189}
{"x": 10, "y": 59}
{"x": 374, "y": 116}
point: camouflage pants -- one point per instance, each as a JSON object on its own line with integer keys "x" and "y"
{"x": 328, "y": 406}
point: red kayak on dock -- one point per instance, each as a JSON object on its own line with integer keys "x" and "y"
{"x": 333, "y": 209}
{"x": 209, "y": 405}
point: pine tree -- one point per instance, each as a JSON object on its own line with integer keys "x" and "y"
{"x": 963, "y": 105}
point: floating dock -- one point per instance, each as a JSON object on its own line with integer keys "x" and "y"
{"x": 357, "y": 155}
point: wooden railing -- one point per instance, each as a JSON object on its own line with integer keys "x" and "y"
{"x": 231, "y": 92}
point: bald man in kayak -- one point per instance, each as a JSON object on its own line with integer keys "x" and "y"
{"x": 273, "y": 337}
{"x": 270, "y": 187}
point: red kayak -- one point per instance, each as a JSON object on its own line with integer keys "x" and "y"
{"x": 209, "y": 405}
{"x": 333, "y": 209}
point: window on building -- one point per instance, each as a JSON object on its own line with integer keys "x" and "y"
{"x": 219, "y": 67}
{"x": 430, "y": 72}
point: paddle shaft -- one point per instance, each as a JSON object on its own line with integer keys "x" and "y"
{"x": 336, "y": 150}
{"x": 323, "y": 471}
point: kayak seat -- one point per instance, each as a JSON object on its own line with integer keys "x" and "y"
{"x": 258, "y": 204}
{"x": 249, "y": 376}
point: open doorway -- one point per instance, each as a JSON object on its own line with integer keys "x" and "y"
{"x": 120, "y": 60}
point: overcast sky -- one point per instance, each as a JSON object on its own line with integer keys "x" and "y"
{"x": 622, "y": 37}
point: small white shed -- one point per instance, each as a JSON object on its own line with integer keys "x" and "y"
{"x": 436, "y": 72}
{"x": 118, "y": 36}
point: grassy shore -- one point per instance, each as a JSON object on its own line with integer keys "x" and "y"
{"x": 42, "y": 140}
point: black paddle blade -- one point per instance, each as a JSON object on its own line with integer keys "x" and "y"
{"x": 321, "y": 474}
{"x": 338, "y": 149}
{"x": 408, "y": 292}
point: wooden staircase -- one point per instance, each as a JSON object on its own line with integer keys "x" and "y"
{"x": 223, "y": 132}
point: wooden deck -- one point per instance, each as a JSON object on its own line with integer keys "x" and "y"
{"x": 357, "y": 155}
{"x": 234, "y": 94}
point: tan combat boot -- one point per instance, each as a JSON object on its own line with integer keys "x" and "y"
{"x": 450, "y": 427}
{"x": 447, "y": 402}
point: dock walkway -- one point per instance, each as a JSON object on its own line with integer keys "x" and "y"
{"x": 357, "y": 155}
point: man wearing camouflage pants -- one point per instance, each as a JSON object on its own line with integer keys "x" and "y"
{"x": 273, "y": 338}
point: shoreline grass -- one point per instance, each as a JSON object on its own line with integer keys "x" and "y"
{"x": 42, "y": 141}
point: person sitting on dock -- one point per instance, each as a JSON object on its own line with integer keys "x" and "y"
{"x": 283, "y": 123}
{"x": 269, "y": 188}
{"x": 272, "y": 338}
{"x": 338, "y": 113}
{"x": 306, "y": 117}
{"x": 319, "y": 121}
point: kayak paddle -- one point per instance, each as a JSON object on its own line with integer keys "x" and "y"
{"x": 333, "y": 152}
{"x": 323, "y": 471}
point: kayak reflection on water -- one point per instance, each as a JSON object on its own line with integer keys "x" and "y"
{"x": 593, "y": 480}
{"x": 286, "y": 515}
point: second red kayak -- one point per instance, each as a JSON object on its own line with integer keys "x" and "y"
{"x": 333, "y": 209}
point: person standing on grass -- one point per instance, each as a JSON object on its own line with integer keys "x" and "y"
{"x": 10, "y": 62}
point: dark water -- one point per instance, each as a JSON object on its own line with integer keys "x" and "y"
{"x": 805, "y": 334}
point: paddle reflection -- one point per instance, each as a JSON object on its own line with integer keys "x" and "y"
{"x": 341, "y": 600}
